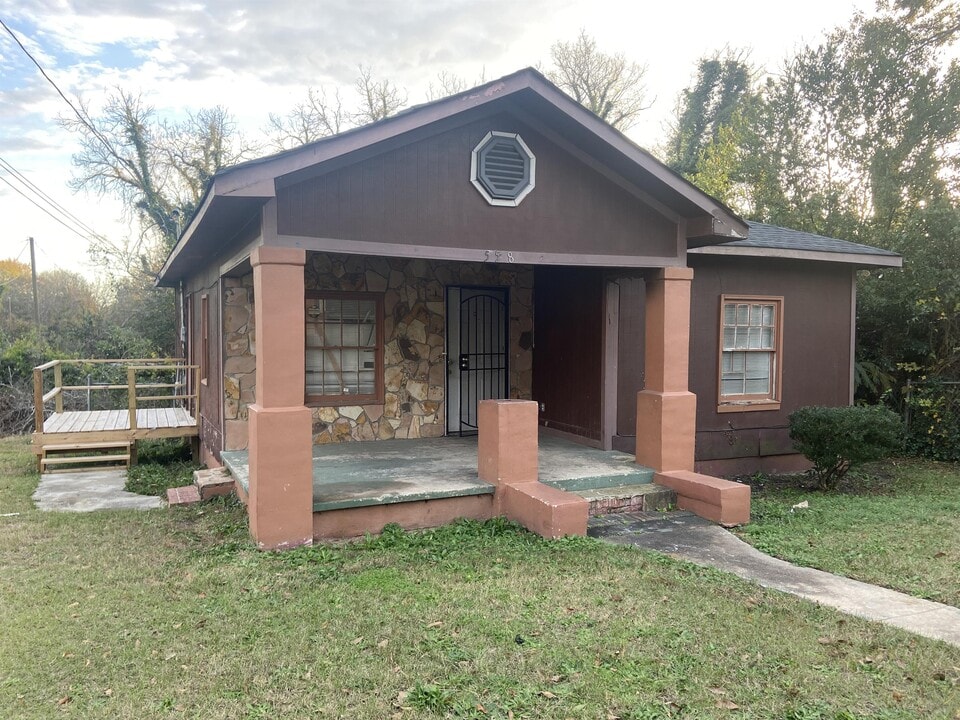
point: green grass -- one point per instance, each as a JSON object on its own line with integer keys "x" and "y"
{"x": 173, "y": 614}
{"x": 161, "y": 464}
{"x": 895, "y": 524}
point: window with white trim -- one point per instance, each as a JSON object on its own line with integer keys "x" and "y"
{"x": 750, "y": 353}
{"x": 344, "y": 348}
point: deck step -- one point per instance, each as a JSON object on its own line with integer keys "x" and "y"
{"x": 186, "y": 495}
{"x": 54, "y": 457}
{"x": 644, "y": 497}
{"x": 86, "y": 446}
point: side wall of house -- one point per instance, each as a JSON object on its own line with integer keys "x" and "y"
{"x": 816, "y": 332}
{"x": 222, "y": 324}
{"x": 415, "y": 363}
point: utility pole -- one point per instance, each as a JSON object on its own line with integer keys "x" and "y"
{"x": 36, "y": 297}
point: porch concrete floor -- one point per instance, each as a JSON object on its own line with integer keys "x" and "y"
{"x": 390, "y": 471}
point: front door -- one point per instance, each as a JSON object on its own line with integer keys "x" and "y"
{"x": 477, "y": 345}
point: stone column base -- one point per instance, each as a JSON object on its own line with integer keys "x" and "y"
{"x": 280, "y": 504}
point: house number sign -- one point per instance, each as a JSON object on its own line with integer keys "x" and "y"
{"x": 498, "y": 256}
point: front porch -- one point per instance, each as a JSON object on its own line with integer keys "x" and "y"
{"x": 349, "y": 475}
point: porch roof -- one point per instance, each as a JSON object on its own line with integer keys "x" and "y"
{"x": 773, "y": 241}
{"x": 236, "y": 194}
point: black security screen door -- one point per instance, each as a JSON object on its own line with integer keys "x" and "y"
{"x": 477, "y": 353}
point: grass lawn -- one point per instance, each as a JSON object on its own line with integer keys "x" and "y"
{"x": 895, "y": 524}
{"x": 172, "y": 614}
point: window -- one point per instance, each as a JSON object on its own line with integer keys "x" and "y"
{"x": 344, "y": 348}
{"x": 750, "y": 357}
{"x": 503, "y": 169}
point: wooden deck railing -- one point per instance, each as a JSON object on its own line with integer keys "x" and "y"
{"x": 133, "y": 367}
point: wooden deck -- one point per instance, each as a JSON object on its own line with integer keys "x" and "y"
{"x": 70, "y": 430}
{"x": 100, "y": 420}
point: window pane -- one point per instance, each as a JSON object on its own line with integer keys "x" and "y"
{"x": 730, "y": 314}
{"x": 733, "y": 362}
{"x": 743, "y": 314}
{"x": 768, "y": 315}
{"x": 754, "y": 335}
{"x": 756, "y": 315}
{"x": 731, "y": 387}
{"x": 767, "y": 339}
{"x": 351, "y": 334}
{"x": 729, "y": 338}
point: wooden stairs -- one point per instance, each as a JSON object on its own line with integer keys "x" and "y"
{"x": 88, "y": 455}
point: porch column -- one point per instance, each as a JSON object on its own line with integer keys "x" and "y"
{"x": 666, "y": 409}
{"x": 280, "y": 503}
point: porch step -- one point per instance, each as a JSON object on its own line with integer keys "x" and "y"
{"x": 213, "y": 482}
{"x": 646, "y": 497}
{"x": 64, "y": 456}
{"x": 186, "y": 495}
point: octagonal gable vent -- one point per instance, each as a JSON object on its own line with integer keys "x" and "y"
{"x": 503, "y": 169}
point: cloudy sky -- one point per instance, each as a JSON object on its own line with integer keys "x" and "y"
{"x": 258, "y": 56}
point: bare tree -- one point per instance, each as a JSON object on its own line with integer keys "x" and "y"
{"x": 608, "y": 85}
{"x": 379, "y": 99}
{"x": 449, "y": 83}
{"x": 317, "y": 117}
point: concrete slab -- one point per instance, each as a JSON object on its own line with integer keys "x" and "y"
{"x": 356, "y": 474}
{"x": 89, "y": 490}
{"x": 691, "y": 538}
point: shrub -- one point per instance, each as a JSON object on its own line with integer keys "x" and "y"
{"x": 932, "y": 408}
{"x": 837, "y": 439}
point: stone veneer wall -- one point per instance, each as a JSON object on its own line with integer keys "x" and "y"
{"x": 239, "y": 359}
{"x": 414, "y": 329}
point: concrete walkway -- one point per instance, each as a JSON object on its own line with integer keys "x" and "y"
{"x": 88, "y": 490}
{"x": 688, "y": 537}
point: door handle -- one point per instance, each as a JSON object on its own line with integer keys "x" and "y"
{"x": 464, "y": 362}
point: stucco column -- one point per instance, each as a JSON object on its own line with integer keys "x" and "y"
{"x": 666, "y": 409}
{"x": 280, "y": 503}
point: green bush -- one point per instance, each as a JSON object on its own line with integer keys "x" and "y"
{"x": 837, "y": 439}
{"x": 933, "y": 426}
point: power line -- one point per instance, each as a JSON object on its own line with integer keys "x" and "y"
{"x": 38, "y": 205}
{"x": 32, "y": 187}
{"x": 83, "y": 119}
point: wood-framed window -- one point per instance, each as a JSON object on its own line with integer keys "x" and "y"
{"x": 344, "y": 348}
{"x": 751, "y": 357}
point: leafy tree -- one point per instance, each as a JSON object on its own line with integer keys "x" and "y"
{"x": 712, "y": 106}
{"x": 856, "y": 137}
{"x": 159, "y": 170}
{"x": 608, "y": 85}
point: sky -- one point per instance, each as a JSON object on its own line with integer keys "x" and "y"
{"x": 260, "y": 56}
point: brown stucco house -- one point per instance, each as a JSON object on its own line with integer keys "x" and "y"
{"x": 502, "y": 243}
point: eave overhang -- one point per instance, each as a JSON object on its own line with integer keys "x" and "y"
{"x": 859, "y": 260}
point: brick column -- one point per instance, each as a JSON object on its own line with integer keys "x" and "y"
{"x": 507, "y": 457}
{"x": 666, "y": 409}
{"x": 280, "y": 502}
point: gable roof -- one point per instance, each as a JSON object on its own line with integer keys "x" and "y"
{"x": 236, "y": 193}
{"x": 774, "y": 241}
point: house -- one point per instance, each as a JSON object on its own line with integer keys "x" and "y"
{"x": 500, "y": 243}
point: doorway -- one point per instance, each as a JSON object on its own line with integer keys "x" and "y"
{"x": 477, "y": 359}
